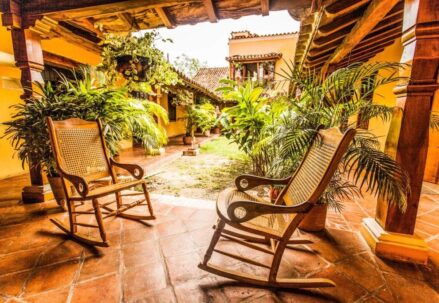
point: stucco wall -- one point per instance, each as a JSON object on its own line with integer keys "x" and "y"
{"x": 10, "y": 89}
{"x": 263, "y": 45}
{"x": 432, "y": 165}
{"x": 384, "y": 94}
{"x": 174, "y": 128}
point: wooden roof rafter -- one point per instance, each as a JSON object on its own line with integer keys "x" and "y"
{"x": 161, "y": 11}
{"x": 379, "y": 22}
{"x": 374, "y": 13}
{"x": 265, "y": 7}
{"x": 210, "y": 9}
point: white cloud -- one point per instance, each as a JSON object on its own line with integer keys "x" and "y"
{"x": 208, "y": 41}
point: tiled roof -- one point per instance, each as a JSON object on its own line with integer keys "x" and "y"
{"x": 209, "y": 77}
{"x": 248, "y": 35}
{"x": 199, "y": 87}
{"x": 268, "y": 56}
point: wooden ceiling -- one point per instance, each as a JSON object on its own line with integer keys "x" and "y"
{"x": 340, "y": 32}
{"x": 88, "y": 20}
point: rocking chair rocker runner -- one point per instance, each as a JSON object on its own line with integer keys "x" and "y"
{"x": 274, "y": 224}
{"x": 81, "y": 158}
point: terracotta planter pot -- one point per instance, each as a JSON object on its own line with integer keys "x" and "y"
{"x": 315, "y": 220}
{"x": 216, "y": 130}
{"x": 187, "y": 140}
{"x": 274, "y": 193}
{"x": 141, "y": 67}
{"x": 58, "y": 191}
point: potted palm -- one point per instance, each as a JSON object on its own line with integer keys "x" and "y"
{"x": 205, "y": 119}
{"x": 189, "y": 136}
{"x": 88, "y": 98}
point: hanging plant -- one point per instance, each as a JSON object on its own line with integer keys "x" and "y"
{"x": 138, "y": 60}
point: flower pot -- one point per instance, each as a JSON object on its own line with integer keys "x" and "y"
{"x": 126, "y": 66}
{"x": 206, "y": 133}
{"x": 188, "y": 140}
{"x": 315, "y": 220}
{"x": 58, "y": 191}
{"x": 274, "y": 193}
{"x": 216, "y": 130}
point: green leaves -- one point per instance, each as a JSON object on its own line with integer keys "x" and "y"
{"x": 88, "y": 98}
{"x": 141, "y": 49}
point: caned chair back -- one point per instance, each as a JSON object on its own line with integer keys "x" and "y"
{"x": 317, "y": 167}
{"x": 79, "y": 148}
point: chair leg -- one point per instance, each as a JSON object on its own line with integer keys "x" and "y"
{"x": 216, "y": 236}
{"x": 118, "y": 200}
{"x": 148, "y": 200}
{"x": 99, "y": 220}
{"x": 277, "y": 258}
{"x": 72, "y": 216}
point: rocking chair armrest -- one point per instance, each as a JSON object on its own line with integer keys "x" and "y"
{"x": 78, "y": 182}
{"x": 246, "y": 182}
{"x": 135, "y": 170}
{"x": 250, "y": 210}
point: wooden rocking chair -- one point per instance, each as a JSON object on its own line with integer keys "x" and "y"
{"x": 274, "y": 224}
{"x": 81, "y": 159}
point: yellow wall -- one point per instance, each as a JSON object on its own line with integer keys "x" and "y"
{"x": 178, "y": 127}
{"x": 384, "y": 94}
{"x": 432, "y": 165}
{"x": 285, "y": 44}
{"x": 10, "y": 89}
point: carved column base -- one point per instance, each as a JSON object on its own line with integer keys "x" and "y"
{"x": 37, "y": 193}
{"x": 394, "y": 246}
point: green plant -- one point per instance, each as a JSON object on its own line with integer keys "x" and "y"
{"x": 88, "y": 98}
{"x": 205, "y": 118}
{"x": 317, "y": 101}
{"x": 250, "y": 122}
{"x": 140, "y": 49}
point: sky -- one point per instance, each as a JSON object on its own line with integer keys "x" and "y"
{"x": 208, "y": 41}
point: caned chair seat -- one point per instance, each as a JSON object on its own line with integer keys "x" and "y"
{"x": 107, "y": 189}
{"x": 273, "y": 224}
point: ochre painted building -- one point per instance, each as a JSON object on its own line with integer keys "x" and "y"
{"x": 261, "y": 57}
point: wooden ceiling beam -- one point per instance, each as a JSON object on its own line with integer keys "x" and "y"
{"x": 374, "y": 13}
{"x": 129, "y": 20}
{"x": 210, "y": 9}
{"x": 90, "y": 26}
{"x": 340, "y": 8}
{"x": 92, "y": 8}
{"x": 265, "y": 7}
{"x": 164, "y": 17}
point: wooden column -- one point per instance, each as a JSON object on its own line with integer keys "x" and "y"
{"x": 392, "y": 231}
{"x": 29, "y": 59}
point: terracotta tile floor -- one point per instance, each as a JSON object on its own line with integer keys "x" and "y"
{"x": 157, "y": 262}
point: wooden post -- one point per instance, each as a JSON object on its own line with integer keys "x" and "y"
{"x": 29, "y": 59}
{"x": 391, "y": 233}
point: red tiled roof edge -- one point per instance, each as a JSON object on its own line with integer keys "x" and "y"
{"x": 252, "y": 35}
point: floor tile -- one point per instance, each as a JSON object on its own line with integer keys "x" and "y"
{"x": 51, "y": 277}
{"x": 104, "y": 289}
